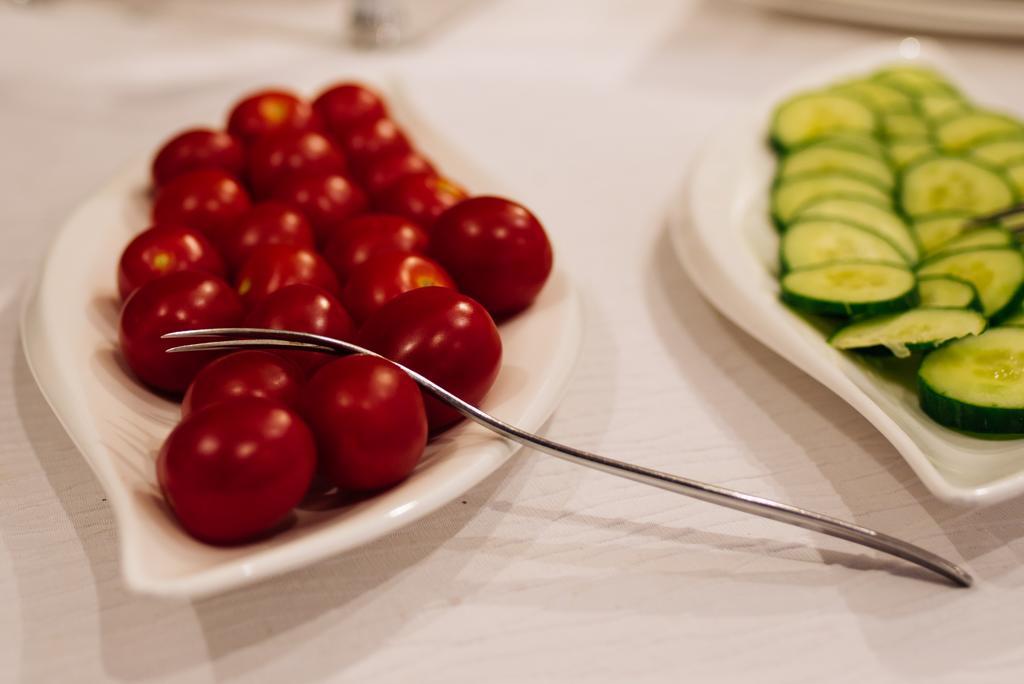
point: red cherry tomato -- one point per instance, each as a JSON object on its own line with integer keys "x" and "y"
{"x": 326, "y": 200}
{"x": 250, "y": 373}
{"x": 358, "y": 239}
{"x": 209, "y": 200}
{"x": 179, "y": 301}
{"x": 365, "y": 141}
{"x": 421, "y": 198}
{"x": 444, "y": 335}
{"x": 303, "y": 308}
{"x": 235, "y": 470}
{"x": 195, "y": 149}
{"x": 275, "y": 158}
{"x": 270, "y": 111}
{"x": 271, "y": 267}
{"x": 266, "y": 223}
{"x": 381, "y": 172}
{"x": 386, "y": 275}
{"x": 496, "y": 250}
{"x": 368, "y": 420}
{"x": 160, "y": 250}
{"x": 348, "y": 104}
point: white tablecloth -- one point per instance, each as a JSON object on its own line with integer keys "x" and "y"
{"x": 591, "y": 111}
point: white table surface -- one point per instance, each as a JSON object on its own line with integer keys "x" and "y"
{"x": 591, "y": 110}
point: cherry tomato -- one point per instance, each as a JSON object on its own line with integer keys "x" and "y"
{"x": 444, "y": 335}
{"x": 209, "y": 200}
{"x": 303, "y": 308}
{"x": 366, "y": 141}
{"x": 266, "y": 223}
{"x": 421, "y": 198}
{"x": 348, "y": 104}
{"x": 326, "y": 200}
{"x": 496, "y": 250}
{"x": 368, "y": 420}
{"x": 358, "y": 239}
{"x": 195, "y": 149}
{"x": 271, "y": 267}
{"x": 386, "y": 275}
{"x": 235, "y": 470}
{"x": 271, "y": 111}
{"x": 275, "y": 158}
{"x": 179, "y": 301}
{"x": 381, "y": 172}
{"x": 160, "y": 250}
{"x": 250, "y": 373}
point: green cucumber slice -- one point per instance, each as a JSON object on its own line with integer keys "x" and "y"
{"x": 961, "y": 131}
{"x": 850, "y": 289}
{"x": 950, "y": 183}
{"x": 824, "y": 158}
{"x": 877, "y": 95}
{"x": 810, "y": 116}
{"x": 792, "y": 193}
{"x": 1016, "y": 176}
{"x": 866, "y": 214}
{"x": 997, "y": 273}
{"x": 947, "y": 292}
{"x": 1000, "y": 150}
{"x": 812, "y": 242}
{"x": 904, "y": 126}
{"x": 941, "y": 105}
{"x": 976, "y": 384}
{"x": 936, "y": 230}
{"x": 913, "y": 80}
{"x": 902, "y": 333}
{"x": 976, "y": 238}
{"x": 902, "y": 153}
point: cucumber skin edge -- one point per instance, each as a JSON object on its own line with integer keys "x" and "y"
{"x": 964, "y": 417}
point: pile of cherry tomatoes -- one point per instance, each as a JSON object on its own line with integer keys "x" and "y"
{"x": 318, "y": 217}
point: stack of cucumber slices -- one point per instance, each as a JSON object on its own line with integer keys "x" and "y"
{"x": 877, "y": 183}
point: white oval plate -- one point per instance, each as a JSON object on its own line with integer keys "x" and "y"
{"x": 69, "y": 332}
{"x": 726, "y": 243}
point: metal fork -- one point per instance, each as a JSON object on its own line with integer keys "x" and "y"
{"x": 260, "y": 338}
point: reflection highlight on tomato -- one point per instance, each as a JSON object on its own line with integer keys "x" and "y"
{"x": 327, "y": 200}
{"x": 161, "y": 250}
{"x": 366, "y": 141}
{"x": 270, "y": 111}
{"x": 444, "y": 335}
{"x": 234, "y": 471}
{"x": 421, "y": 198}
{"x": 274, "y": 159}
{"x": 250, "y": 373}
{"x": 196, "y": 149}
{"x": 179, "y": 301}
{"x": 386, "y": 275}
{"x": 368, "y": 420}
{"x": 382, "y": 171}
{"x": 209, "y": 200}
{"x": 272, "y": 267}
{"x": 358, "y": 239}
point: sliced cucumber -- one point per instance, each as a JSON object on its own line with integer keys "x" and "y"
{"x": 812, "y": 242}
{"x": 914, "y": 80}
{"x": 1000, "y": 150}
{"x": 976, "y": 384}
{"x": 951, "y": 183}
{"x": 905, "y": 152}
{"x": 961, "y": 131}
{"x": 941, "y": 105}
{"x": 814, "y": 115}
{"x": 977, "y": 238}
{"x": 904, "y": 126}
{"x": 792, "y": 193}
{"x": 938, "y": 229}
{"x": 947, "y": 292}
{"x": 850, "y": 289}
{"x": 902, "y": 333}
{"x": 866, "y": 143}
{"x": 1016, "y": 175}
{"x": 997, "y": 273}
{"x": 824, "y": 158}
{"x": 877, "y": 95}
{"x": 867, "y": 214}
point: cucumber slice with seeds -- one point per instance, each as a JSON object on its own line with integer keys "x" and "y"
{"x": 850, "y": 289}
{"x": 961, "y": 131}
{"x": 1000, "y": 150}
{"x": 825, "y": 158}
{"x": 997, "y": 273}
{"x": 902, "y": 153}
{"x": 815, "y": 115}
{"x": 938, "y": 229}
{"x": 866, "y": 214}
{"x": 947, "y": 292}
{"x": 813, "y": 242}
{"x": 914, "y": 330}
{"x": 950, "y": 183}
{"x": 976, "y": 384}
{"x": 792, "y": 193}
{"x": 904, "y": 126}
{"x": 976, "y": 238}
